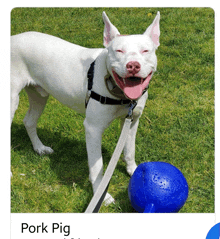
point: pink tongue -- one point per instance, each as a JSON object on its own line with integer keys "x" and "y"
{"x": 132, "y": 90}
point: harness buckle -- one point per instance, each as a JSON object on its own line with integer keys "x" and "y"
{"x": 102, "y": 100}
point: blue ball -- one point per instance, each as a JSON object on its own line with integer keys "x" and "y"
{"x": 157, "y": 187}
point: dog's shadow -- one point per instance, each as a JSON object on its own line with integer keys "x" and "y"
{"x": 69, "y": 160}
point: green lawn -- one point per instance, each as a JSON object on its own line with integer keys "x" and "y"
{"x": 177, "y": 125}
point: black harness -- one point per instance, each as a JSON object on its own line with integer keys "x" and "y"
{"x": 100, "y": 98}
{"x": 106, "y": 100}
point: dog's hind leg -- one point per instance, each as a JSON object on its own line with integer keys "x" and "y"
{"x": 37, "y": 99}
{"x": 14, "y": 103}
{"x": 16, "y": 85}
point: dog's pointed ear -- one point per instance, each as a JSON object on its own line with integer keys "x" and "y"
{"x": 110, "y": 31}
{"x": 153, "y": 31}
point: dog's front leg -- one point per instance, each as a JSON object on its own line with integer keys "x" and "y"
{"x": 95, "y": 124}
{"x": 129, "y": 148}
{"x": 93, "y": 145}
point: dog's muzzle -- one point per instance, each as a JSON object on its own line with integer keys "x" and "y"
{"x": 133, "y": 87}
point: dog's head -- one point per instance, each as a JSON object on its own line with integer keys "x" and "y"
{"x": 131, "y": 59}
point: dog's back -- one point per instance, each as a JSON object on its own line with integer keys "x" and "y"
{"x": 57, "y": 66}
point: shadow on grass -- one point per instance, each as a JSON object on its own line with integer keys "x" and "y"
{"x": 69, "y": 160}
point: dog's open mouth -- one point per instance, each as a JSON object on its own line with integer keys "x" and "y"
{"x": 132, "y": 87}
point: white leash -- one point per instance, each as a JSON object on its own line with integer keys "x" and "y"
{"x": 101, "y": 191}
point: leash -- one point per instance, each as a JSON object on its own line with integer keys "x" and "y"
{"x": 101, "y": 191}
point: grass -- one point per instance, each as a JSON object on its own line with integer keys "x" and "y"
{"x": 177, "y": 125}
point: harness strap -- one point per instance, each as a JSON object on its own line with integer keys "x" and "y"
{"x": 90, "y": 75}
{"x": 107, "y": 100}
{"x": 102, "y": 99}
{"x": 96, "y": 96}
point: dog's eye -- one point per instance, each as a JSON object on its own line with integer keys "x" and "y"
{"x": 145, "y": 51}
{"x": 119, "y": 51}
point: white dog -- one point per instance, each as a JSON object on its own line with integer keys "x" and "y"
{"x": 44, "y": 64}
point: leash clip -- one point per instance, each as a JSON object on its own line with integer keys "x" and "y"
{"x": 131, "y": 106}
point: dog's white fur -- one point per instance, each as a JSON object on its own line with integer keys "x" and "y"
{"x": 44, "y": 64}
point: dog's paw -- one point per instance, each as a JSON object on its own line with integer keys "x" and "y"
{"x": 131, "y": 169}
{"x": 108, "y": 199}
{"x": 44, "y": 150}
